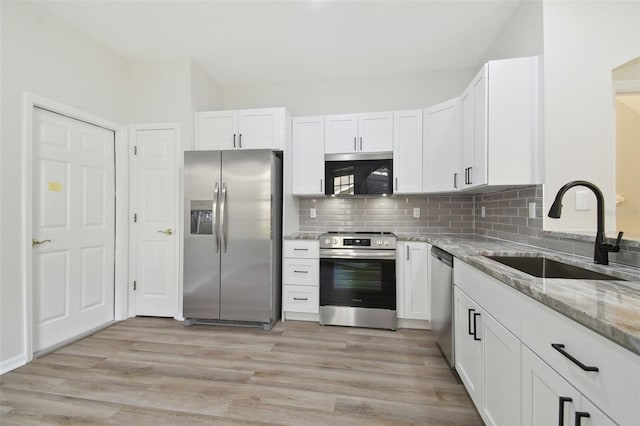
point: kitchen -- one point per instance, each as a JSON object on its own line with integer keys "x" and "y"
{"x": 118, "y": 88}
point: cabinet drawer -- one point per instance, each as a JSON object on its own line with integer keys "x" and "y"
{"x": 300, "y": 271}
{"x": 301, "y": 249}
{"x": 297, "y": 298}
{"x": 495, "y": 297}
{"x": 614, "y": 388}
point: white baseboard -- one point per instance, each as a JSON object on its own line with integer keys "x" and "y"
{"x": 12, "y": 363}
{"x": 414, "y": 323}
{"x": 300, "y": 316}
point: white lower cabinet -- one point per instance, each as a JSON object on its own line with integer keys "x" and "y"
{"x": 300, "y": 280}
{"x": 548, "y": 399}
{"x": 523, "y": 363}
{"x": 412, "y": 280}
{"x": 488, "y": 362}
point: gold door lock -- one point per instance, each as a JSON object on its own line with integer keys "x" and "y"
{"x": 167, "y": 231}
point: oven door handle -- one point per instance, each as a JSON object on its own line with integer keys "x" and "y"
{"x": 357, "y": 254}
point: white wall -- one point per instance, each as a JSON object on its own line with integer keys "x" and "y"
{"x": 521, "y": 36}
{"x": 43, "y": 56}
{"x": 160, "y": 92}
{"x": 583, "y": 43}
{"x": 206, "y": 95}
{"x": 353, "y": 95}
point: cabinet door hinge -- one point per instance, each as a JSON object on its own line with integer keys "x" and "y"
{"x": 135, "y": 217}
{"x": 135, "y": 285}
{"x": 135, "y": 150}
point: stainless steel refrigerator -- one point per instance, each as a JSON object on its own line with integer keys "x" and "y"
{"x": 232, "y": 237}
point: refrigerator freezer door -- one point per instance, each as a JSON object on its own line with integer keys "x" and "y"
{"x": 246, "y": 253}
{"x": 201, "y": 292}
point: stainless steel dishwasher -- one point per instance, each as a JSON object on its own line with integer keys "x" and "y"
{"x": 442, "y": 301}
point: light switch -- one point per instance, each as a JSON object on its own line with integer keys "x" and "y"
{"x": 532, "y": 210}
{"x": 583, "y": 200}
{"x": 483, "y": 211}
{"x": 312, "y": 212}
{"x": 416, "y": 212}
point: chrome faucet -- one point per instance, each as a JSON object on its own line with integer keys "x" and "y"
{"x": 601, "y": 249}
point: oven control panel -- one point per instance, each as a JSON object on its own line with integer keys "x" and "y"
{"x": 366, "y": 242}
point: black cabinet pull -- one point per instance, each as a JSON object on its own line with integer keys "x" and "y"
{"x": 469, "y": 173}
{"x": 455, "y": 180}
{"x": 240, "y": 140}
{"x": 300, "y": 272}
{"x": 300, "y": 298}
{"x": 471, "y": 333}
{"x": 562, "y": 400}
{"x": 475, "y": 327}
{"x": 234, "y": 140}
{"x": 580, "y": 415}
{"x": 560, "y": 348}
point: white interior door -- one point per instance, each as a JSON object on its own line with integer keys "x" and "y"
{"x": 73, "y": 228}
{"x": 156, "y": 218}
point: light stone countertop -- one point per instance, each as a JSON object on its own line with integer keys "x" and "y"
{"x": 610, "y": 308}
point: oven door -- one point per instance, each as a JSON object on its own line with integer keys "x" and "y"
{"x": 361, "y": 282}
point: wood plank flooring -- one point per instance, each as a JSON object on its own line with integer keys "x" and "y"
{"x": 156, "y": 371}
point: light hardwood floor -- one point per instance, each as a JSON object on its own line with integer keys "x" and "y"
{"x": 156, "y": 371}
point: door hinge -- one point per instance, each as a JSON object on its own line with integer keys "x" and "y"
{"x": 135, "y": 150}
{"x": 135, "y": 217}
{"x": 135, "y": 285}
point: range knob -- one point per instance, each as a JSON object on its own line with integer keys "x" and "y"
{"x": 327, "y": 241}
{"x": 386, "y": 242}
{"x": 335, "y": 241}
{"x": 379, "y": 242}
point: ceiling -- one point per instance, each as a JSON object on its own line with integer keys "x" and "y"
{"x": 241, "y": 43}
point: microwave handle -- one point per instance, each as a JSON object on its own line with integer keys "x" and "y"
{"x": 355, "y": 144}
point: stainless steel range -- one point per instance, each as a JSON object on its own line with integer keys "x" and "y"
{"x": 358, "y": 279}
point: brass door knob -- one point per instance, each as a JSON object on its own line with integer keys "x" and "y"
{"x": 167, "y": 231}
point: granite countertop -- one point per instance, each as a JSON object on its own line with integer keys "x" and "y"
{"x": 610, "y": 308}
{"x": 303, "y": 236}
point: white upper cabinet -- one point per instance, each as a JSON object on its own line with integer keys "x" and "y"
{"x": 308, "y": 155}
{"x": 407, "y": 152}
{"x": 367, "y": 132}
{"x": 375, "y": 132}
{"x": 216, "y": 130}
{"x": 341, "y": 133}
{"x": 441, "y": 150}
{"x": 242, "y": 129}
{"x": 499, "y": 125}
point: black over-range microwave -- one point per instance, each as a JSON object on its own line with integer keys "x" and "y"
{"x": 358, "y": 174}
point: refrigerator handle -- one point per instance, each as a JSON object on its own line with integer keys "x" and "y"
{"x": 216, "y": 197}
{"x": 223, "y": 212}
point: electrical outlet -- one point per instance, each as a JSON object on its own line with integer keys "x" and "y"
{"x": 312, "y": 212}
{"x": 483, "y": 211}
{"x": 582, "y": 200}
{"x": 416, "y": 212}
{"x": 532, "y": 210}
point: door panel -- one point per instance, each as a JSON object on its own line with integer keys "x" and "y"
{"x": 258, "y": 128}
{"x": 201, "y": 292}
{"x": 245, "y": 291}
{"x": 73, "y": 208}
{"x": 93, "y": 286}
{"x": 340, "y": 133}
{"x": 376, "y": 132}
{"x": 156, "y": 197}
{"x": 216, "y": 129}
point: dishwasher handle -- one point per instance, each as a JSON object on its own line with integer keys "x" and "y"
{"x": 442, "y": 256}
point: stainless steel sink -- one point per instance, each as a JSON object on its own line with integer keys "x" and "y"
{"x": 548, "y": 268}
